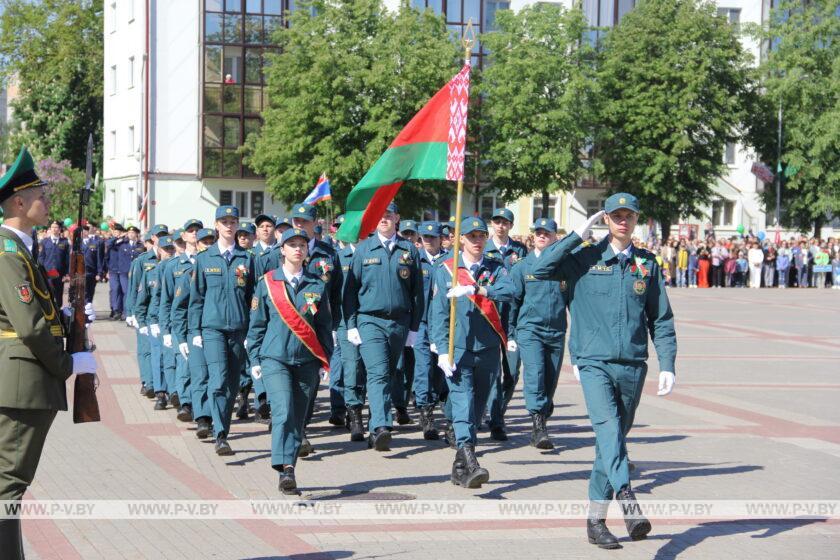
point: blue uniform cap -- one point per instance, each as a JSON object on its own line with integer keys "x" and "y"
{"x": 502, "y": 213}
{"x": 430, "y": 228}
{"x": 621, "y": 200}
{"x": 118, "y": 227}
{"x": 283, "y": 221}
{"x": 204, "y": 233}
{"x": 147, "y": 236}
{"x": 159, "y": 229}
{"x": 469, "y": 225}
{"x": 304, "y": 211}
{"x": 133, "y": 228}
{"x": 293, "y": 232}
{"x": 545, "y": 223}
{"x": 245, "y": 227}
{"x": 264, "y": 218}
{"x": 408, "y": 225}
{"x": 392, "y": 207}
{"x": 166, "y": 242}
{"x": 227, "y": 211}
{"x": 190, "y": 223}
{"x": 176, "y": 235}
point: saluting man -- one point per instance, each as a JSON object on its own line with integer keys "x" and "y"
{"x": 127, "y": 250}
{"x": 289, "y": 343}
{"x": 220, "y": 298}
{"x": 35, "y": 364}
{"x": 383, "y": 305}
{"x": 54, "y": 256}
{"x": 618, "y": 298}
{"x": 93, "y": 250}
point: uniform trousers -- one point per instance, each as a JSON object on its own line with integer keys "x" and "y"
{"x": 224, "y": 352}
{"x": 383, "y": 341}
{"x": 290, "y": 390}
{"x": 469, "y": 389}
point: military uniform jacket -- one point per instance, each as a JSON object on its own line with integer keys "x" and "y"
{"x": 268, "y": 334}
{"x": 135, "y": 278}
{"x": 427, "y": 270}
{"x": 384, "y": 284}
{"x": 178, "y": 309}
{"x": 34, "y": 363}
{"x": 148, "y": 293}
{"x": 472, "y": 330}
{"x": 167, "y": 293}
{"x": 345, "y": 261}
{"x": 613, "y": 308}
{"x": 323, "y": 263}
{"x": 55, "y": 256}
{"x": 94, "y": 253}
{"x": 514, "y": 251}
{"x": 125, "y": 255}
{"x": 220, "y": 293}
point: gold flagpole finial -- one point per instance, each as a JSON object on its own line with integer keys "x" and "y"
{"x": 468, "y": 40}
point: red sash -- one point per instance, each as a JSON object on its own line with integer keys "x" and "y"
{"x": 279, "y": 296}
{"x": 484, "y": 305}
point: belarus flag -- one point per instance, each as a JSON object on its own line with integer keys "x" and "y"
{"x": 431, "y": 146}
{"x": 320, "y": 192}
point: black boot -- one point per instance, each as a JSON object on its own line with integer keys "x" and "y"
{"x": 402, "y": 416}
{"x": 449, "y": 435}
{"x": 474, "y": 474}
{"x": 222, "y": 446}
{"x": 185, "y": 414}
{"x": 427, "y": 422}
{"x": 305, "y": 447}
{"x": 380, "y": 439}
{"x": 263, "y": 413}
{"x": 338, "y": 419}
{"x": 150, "y": 392}
{"x": 357, "y": 427}
{"x": 596, "y": 526}
{"x": 498, "y": 434}
{"x": 203, "y": 428}
{"x": 160, "y": 402}
{"x": 458, "y": 466}
{"x": 288, "y": 484}
{"x": 143, "y": 389}
{"x": 638, "y": 526}
{"x": 174, "y": 400}
{"x": 539, "y": 435}
{"x": 242, "y": 407}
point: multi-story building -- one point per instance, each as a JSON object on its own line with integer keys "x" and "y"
{"x": 184, "y": 87}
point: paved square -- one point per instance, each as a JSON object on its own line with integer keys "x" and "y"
{"x": 754, "y": 416}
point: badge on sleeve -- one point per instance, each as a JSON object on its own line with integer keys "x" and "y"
{"x": 24, "y": 292}
{"x": 639, "y": 286}
{"x": 9, "y": 246}
{"x": 254, "y": 303}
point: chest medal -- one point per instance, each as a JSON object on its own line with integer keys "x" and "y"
{"x": 639, "y": 286}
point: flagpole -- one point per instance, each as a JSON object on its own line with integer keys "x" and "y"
{"x": 467, "y": 42}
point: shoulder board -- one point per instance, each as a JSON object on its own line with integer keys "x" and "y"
{"x": 9, "y": 246}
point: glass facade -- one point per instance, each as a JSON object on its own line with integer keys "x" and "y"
{"x": 237, "y": 38}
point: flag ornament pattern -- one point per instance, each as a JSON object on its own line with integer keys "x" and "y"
{"x": 321, "y": 191}
{"x": 431, "y": 146}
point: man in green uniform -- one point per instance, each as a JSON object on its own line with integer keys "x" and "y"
{"x": 617, "y": 298}
{"x": 35, "y": 364}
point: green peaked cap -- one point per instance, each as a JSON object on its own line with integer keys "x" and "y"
{"x": 20, "y": 175}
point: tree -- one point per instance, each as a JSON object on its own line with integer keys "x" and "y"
{"x": 65, "y": 182}
{"x": 346, "y": 80}
{"x": 53, "y": 50}
{"x": 536, "y": 112}
{"x": 801, "y": 74}
{"x": 673, "y": 78}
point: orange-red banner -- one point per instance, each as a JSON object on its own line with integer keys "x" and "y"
{"x": 279, "y": 296}
{"x": 485, "y": 305}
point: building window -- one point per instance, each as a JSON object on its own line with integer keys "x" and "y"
{"x": 732, "y": 15}
{"x": 237, "y": 41}
{"x": 225, "y": 198}
{"x": 130, "y": 72}
{"x": 112, "y": 140}
{"x": 729, "y": 155}
{"x": 113, "y": 79}
{"x": 112, "y": 16}
{"x": 242, "y": 203}
{"x": 723, "y": 213}
{"x": 537, "y": 208}
{"x": 490, "y": 9}
{"x": 486, "y": 206}
{"x": 257, "y": 203}
{"x": 130, "y": 140}
{"x": 593, "y": 206}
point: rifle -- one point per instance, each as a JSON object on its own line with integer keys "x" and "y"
{"x": 85, "y": 405}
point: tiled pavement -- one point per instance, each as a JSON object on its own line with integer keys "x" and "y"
{"x": 754, "y": 416}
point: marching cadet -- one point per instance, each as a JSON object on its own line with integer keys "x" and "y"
{"x": 199, "y": 377}
{"x": 93, "y": 249}
{"x": 54, "y": 256}
{"x": 245, "y": 235}
{"x": 509, "y": 251}
{"x": 289, "y": 344}
{"x": 129, "y": 249}
{"x": 401, "y": 387}
{"x": 429, "y": 384}
{"x": 35, "y": 364}
{"x": 383, "y": 305}
{"x": 280, "y": 226}
{"x": 265, "y": 234}
{"x": 220, "y": 294}
{"x": 617, "y": 297}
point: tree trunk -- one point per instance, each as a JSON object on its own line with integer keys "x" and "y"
{"x": 818, "y": 223}
{"x": 665, "y": 225}
{"x": 545, "y": 204}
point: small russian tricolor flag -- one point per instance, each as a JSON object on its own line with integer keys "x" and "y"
{"x": 321, "y": 191}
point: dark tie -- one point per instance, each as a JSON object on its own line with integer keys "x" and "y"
{"x": 474, "y": 270}
{"x": 622, "y": 260}
{"x": 294, "y": 282}
{"x": 227, "y": 256}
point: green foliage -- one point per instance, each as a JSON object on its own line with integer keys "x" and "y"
{"x": 537, "y": 100}
{"x": 65, "y": 182}
{"x": 802, "y": 73}
{"x": 346, "y": 81}
{"x": 53, "y": 50}
{"x": 673, "y": 81}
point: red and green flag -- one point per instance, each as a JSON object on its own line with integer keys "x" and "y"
{"x": 431, "y": 146}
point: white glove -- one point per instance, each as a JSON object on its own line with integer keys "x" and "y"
{"x": 511, "y": 346}
{"x": 91, "y": 314}
{"x": 184, "y": 349}
{"x": 155, "y": 330}
{"x": 354, "y": 337}
{"x": 411, "y": 340}
{"x": 197, "y": 341}
{"x": 460, "y": 291}
{"x": 433, "y": 348}
{"x": 83, "y": 362}
{"x": 444, "y": 364}
{"x": 666, "y": 382}
{"x": 576, "y": 371}
{"x": 583, "y": 231}
{"x": 324, "y": 374}
{"x": 130, "y": 321}
{"x": 167, "y": 340}
{"x": 335, "y": 338}
{"x": 144, "y": 330}
{"x": 245, "y": 344}
{"x": 256, "y": 372}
